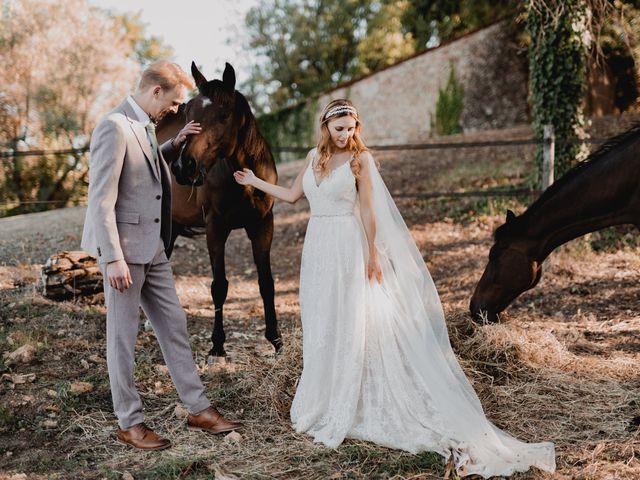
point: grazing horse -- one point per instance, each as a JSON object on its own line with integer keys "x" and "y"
{"x": 208, "y": 196}
{"x": 600, "y": 192}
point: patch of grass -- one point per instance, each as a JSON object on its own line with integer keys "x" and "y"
{"x": 620, "y": 237}
{"x": 357, "y": 454}
{"x": 65, "y": 399}
{"x": 483, "y": 174}
{"x": 8, "y": 421}
{"x": 177, "y": 468}
{"x": 228, "y": 392}
{"x": 467, "y": 211}
{"x": 406, "y": 463}
{"x": 381, "y": 463}
{"x": 59, "y": 464}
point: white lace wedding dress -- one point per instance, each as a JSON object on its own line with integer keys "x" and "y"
{"x": 378, "y": 364}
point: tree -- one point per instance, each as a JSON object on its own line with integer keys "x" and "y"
{"x": 433, "y": 21}
{"x": 146, "y": 49}
{"x": 64, "y": 65}
{"x": 386, "y": 41}
{"x": 308, "y": 46}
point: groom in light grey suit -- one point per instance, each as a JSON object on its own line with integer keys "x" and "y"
{"x": 128, "y": 227}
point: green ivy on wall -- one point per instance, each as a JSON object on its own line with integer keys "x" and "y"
{"x": 290, "y": 127}
{"x": 557, "y": 70}
{"x": 449, "y": 105}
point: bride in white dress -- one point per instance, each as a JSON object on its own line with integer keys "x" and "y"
{"x": 377, "y": 362}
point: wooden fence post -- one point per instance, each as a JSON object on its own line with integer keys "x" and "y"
{"x": 548, "y": 156}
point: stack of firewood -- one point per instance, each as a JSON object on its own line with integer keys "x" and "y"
{"x": 71, "y": 274}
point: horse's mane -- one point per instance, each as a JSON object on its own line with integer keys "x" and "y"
{"x": 250, "y": 140}
{"x": 594, "y": 158}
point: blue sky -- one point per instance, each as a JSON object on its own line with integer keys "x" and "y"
{"x": 207, "y": 31}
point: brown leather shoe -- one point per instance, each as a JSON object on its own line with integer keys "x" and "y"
{"x": 211, "y": 420}
{"x": 142, "y": 437}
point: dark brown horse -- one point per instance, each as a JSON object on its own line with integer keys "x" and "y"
{"x": 600, "y": 192}
{"x": 205, "y": 193}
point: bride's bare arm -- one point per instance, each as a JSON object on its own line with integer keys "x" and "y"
{"x": 367, "y": 214}
{"x": 291, "y": 194}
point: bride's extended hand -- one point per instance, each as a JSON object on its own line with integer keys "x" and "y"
{"x": 373, "y": 266}
{"x": 244, "y": 177}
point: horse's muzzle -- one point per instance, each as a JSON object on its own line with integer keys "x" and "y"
{"x": 481, "y": 313}
{"x": 185, "y": 169}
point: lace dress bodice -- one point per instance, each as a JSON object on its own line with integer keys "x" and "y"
{"x": 336, "y": 193}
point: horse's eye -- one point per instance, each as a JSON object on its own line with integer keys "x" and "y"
{"x": 223, "y": 114}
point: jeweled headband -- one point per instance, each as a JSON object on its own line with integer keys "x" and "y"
{"x": 341, "y": 109}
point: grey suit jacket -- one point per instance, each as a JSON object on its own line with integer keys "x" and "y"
{"x": 129, "y": 199}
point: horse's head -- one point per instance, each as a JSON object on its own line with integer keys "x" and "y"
{"x": 511, "y": 270}
{"x": 215, "y": 108}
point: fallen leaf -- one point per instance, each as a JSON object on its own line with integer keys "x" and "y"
{"x": 234, "y": 437}
{"x": 97, "y": 359}
{"x": 81, "y": 387}
{"x": 49, "y": 424}
{"x": 24, "y": 354}
{"x": 221, "y": 474}
{"x": 17, "y": 378}
{"x": 180, "y": 412}
{"x": 162, "y": 369}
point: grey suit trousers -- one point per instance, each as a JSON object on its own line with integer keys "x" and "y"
{"x": 154, "y": 289}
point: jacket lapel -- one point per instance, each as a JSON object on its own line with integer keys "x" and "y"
{"x": 141, "y": 136}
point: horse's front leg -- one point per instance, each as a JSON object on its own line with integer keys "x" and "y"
{"x": 261, "y": 236}
{"x": 216, "y": 239}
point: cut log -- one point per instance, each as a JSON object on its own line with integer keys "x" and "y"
{"x": 70, "y": 274}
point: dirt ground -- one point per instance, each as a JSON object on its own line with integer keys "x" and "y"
{"x": 561, "y": 366}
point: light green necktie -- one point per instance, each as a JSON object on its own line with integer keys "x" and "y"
{"x": 151, "y": 131}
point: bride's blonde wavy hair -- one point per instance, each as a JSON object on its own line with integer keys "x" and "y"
{"x": 326, "y": 147}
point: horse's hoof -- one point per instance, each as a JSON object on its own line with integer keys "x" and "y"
{"x": 277, "y": 344}
{"x": 217, "y": 360}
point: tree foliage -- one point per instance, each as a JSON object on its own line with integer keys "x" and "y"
{"x": 619, "y": 42}
{"x": 307, "y": 46}
{"x": 145, "y": 48}
{"x": 560, "y": 42}
{"x": 65, "y": 64}
{"x": 433, "y": 21}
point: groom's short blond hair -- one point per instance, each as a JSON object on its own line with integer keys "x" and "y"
{"x": 166, "y": 74}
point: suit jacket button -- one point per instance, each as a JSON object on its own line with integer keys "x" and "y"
{"x": 158, "y": 197}
{"x": 156, "y": 220}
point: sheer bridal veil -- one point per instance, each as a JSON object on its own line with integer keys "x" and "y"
{"x": 407, "y": 298}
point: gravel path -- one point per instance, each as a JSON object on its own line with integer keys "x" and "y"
{"x": 34, "y": 237}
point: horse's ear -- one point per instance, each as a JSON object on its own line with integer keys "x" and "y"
{"x": 510, "y": 216}
{"x": 197, "y": 76}
{"x": 229, "y": 78}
